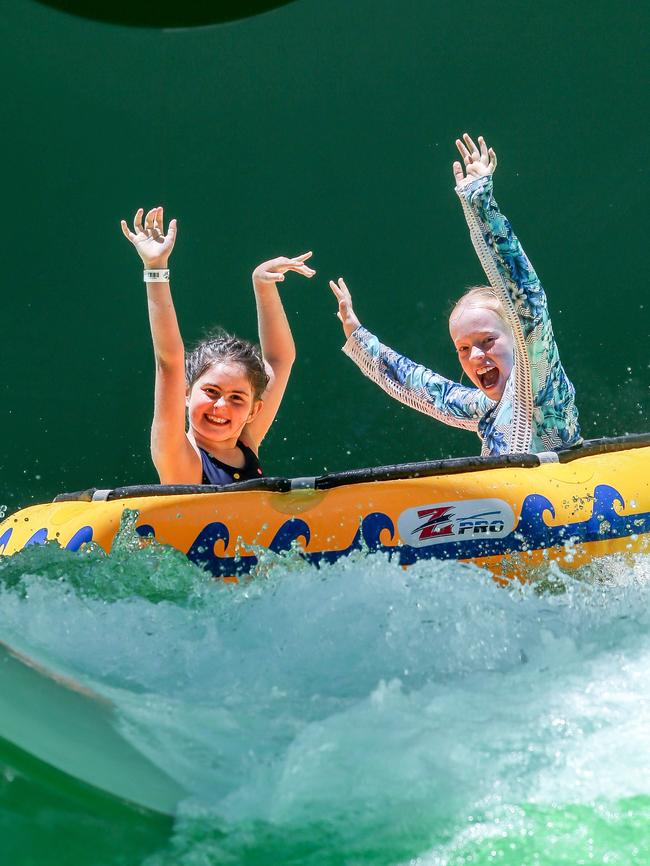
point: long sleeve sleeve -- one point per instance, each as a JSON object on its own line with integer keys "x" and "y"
{"x": 415, "y": 385}
{"x": 544, "y": 413}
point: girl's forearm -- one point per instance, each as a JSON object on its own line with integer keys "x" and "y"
{"x": 415, "y": 385}
{"x": 275, "y": 336}
{"x": 506, "y": 250}
{"x": 167, "y": 341}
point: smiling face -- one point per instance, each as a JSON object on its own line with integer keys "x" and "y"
{"x": 485, "y": 347}
{"x": 220, "y": 404}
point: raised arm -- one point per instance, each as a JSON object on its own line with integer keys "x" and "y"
{"x": 497, "y": 245}
{"x": 173, "y": 456}
{"x": 545, "y": 397}
{"x": 404, "y": 380}
{"x": 276, "y": 340}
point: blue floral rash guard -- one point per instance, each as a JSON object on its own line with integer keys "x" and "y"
{"x": 537, "y": 411}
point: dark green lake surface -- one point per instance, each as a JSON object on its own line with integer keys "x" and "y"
{"x": 329, "y": 125}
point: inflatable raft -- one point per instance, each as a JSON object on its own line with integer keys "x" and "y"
{"x": 572, "y": 506}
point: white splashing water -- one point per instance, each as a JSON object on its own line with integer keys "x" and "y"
{"x": 360, "y": 693}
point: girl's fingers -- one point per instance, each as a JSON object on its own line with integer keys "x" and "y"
{"x": 344, "y": 299}
{"x": 148, "y": 220}
{"x": 296, "y": 267}
{"x": 280, "y": 269}
{"x": 458, "y": 172}
{"x": 462, "y": 150}
{"x": 339, "y": 287}
{"x": 158, "y": 224}
{"x": 282, "y": 263}
{"x": 137, "y": 220}
{"x": 467, "y": 138}
{"x": 128, "y": 234}
{"x": 173, "y": 225}
{"x": 484, "y": 148}
{"x": 493, "y": 159}
{"x": 301, "y": 269}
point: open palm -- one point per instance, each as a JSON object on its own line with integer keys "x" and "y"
{"x": 149, "y": 239}
{"x": 479, "y": 161}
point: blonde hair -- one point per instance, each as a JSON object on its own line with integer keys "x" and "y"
{"x": 480, "y": 296}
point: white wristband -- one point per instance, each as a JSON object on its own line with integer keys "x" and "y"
{"x": 156, "y": 276}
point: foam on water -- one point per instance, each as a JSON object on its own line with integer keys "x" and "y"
{"x": 361, "y": 712}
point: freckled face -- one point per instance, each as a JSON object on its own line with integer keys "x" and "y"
{"x": 485, "y": 348}
{"x": 220, "y": 404}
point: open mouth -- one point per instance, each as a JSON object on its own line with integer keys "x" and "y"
{"x": 488, "y": 378}
{"x": 216, "y": 422}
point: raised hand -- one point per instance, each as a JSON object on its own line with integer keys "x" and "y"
{"x": 479, "y": 161}
{"x": 346, "y": 314}
{"x": 153, "y": 245}
{"x": 273, "y": 271}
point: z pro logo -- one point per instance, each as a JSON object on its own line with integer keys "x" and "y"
{"x": 466, "y": 520}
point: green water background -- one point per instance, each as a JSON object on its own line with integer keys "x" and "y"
{"x": 325, "y": 126}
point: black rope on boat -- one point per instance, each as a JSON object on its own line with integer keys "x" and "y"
{"x": 394, "y": 472}
{"x": 605, "y": 445}
{"x": 425, "y": 469}
{"x": 275, "y": 485}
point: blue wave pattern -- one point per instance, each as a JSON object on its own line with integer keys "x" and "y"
{"x": 531, "y": 533}
{"x": 81, "y": 536}
{"x": 4, "y": 538}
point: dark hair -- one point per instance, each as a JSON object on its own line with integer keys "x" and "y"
{"x": 229, "y": 349}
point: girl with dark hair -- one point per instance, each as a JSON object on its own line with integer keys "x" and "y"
{"x": 213, "y": 408}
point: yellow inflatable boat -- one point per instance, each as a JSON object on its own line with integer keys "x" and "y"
{"x": 572, "y": 506}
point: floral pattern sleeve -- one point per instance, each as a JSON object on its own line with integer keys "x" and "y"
{"x": 415, "y": 385}
{"x": 544, "y": 416}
